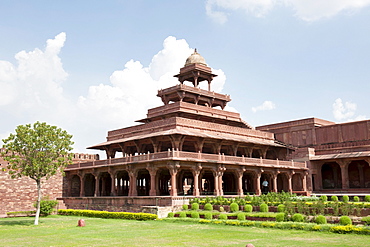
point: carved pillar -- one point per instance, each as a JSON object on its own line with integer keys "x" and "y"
{"x": 344, "y": 173}
{"x": 240, "y": 173}
{"x": 82, "y": 181}
{"x": 173, "y": 167}
{"x": 258, "y": 182}
{"x": 97, "y": 183}
{"x": 274, "y": 180}
{"x": 153, "y": 172}
{"x": 133, "y": 177}
{"x": 290, "y": 175}
{"x": 196, "y": 171}
{"x": 304, "y": 180}
{"x": 216, "y": 182}
{"x": 113, "y": 189}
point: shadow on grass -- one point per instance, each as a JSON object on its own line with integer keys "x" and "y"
{"x": 19, "y": 222}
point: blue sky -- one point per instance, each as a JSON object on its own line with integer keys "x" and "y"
{"x": 94, "y": 66}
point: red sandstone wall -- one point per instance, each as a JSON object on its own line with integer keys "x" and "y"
{"x": 20, "y": 194}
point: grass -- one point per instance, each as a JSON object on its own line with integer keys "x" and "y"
{"x": 63, "y": 231}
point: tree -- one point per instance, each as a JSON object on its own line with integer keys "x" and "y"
{"x": 37, "y": 151}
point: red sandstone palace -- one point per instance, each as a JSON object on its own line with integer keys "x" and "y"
{"x": 191, "y": 146}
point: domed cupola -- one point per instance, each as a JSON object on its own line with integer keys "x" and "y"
{"x": 195, "y": 58}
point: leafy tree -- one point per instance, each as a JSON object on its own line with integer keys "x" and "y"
{"x": 37, "y": 151}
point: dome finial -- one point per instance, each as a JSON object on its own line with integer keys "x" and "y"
{"x": 195, "y": 50}
{"x": 195, "y": 58}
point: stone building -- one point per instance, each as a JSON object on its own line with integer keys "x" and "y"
{"x": 189, "y": 146}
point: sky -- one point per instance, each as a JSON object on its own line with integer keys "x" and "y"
{"x": 93, "y": 66}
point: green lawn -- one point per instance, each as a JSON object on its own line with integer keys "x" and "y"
{"x": 63, "y": 231}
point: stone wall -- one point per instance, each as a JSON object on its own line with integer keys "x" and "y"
{"x": 20, "y": 194}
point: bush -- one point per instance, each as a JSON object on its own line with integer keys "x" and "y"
{"x": 195, "y": 214}
{"x": 241, "y": 216}
{"x": 222, "y": 209}
{"x": 208, "y": 207}
{"x": 321, "y": 219}
{"x": 185, "y": 207}
{"x": 334, "y": 198}
{"x": 222, "y": 217}
{"x": 366, "y": 220}
{"x": 108, "y": 215}
{"x": 208, "y": 215}
{"x": 345, "y": 220}
{"x": 264, "y": 207}
{"x": 281, "y": 208}
{"x": 323, "y": 198}
{"x": 298, "y": 218}
{"x": 170, "y": 214}
{"x": 248, "y": 208}
{"x": 234, "y": 207}
{"x": 182, "y": 214}
{"x": 46, "y": 206}
{"x": 195, "y": 206}
{"x": 367, "y": 198}
{"x": 280, "y": 217}
{"x": 356, "y": 199}
{"x": 345, "y": 199}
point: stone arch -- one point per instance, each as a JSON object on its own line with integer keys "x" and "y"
{"x": 229, "y": 184}
{"x": 164, "y": 178}
{"x": 143, "y": 182}
{"x": 208, "y": 148}
{"x": 207, "y": 182}
{"x": 331, "y": 176}
{"x": 226, "y": 149}
{"x": 271, "y": 154}
{"x": 123, "y": 183}
{"x": 75, "y": 186}
{"x": 189, "y": 144}
{"x": 297, "y": 182}
{"x": 89, "y": 184}
{"x": 165, "y": 144}
{"x": 249, "y": 182}
{"x": 256, "y": 153}
{"x": 282, "y": 182}
{"x": 105, "y": 184}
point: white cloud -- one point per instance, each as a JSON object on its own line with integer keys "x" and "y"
{"x": 307, "y": 10}
{"x": 33, "y": 91}
{"x": 345, "y": 111}
{"x": 266, "y": 106}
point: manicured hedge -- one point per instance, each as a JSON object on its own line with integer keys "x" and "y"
{"x": 108, "y": 215}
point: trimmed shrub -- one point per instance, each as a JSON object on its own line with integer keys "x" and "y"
{"x": 222, "y": 217}
{"x": 264, "y": 208}
{"x": 46, "y": 206}
{"x": 185, "y": 207}
{"x": 367, "y": 198}
{"x": 195, "y": 214}
{"x": 345, "y": 198}
{"x": 356, "y": 199}
{"x": 222, "y": 209}
{"x": 208, "y": 215}
{"x": 281, "y": 208}
{"x": 345, "y": 220}
{"x": 334, "y": 198}
{"x": 208, "y": 207}
{"x": 234, "y": 207}
{"x": 241, "y": 216}
{"x": 298, "y": 218}
{"x": 108, "y": 215}
{"x": 280, "y": 217}
{"x": 248, "y": 208}
{"x": 182, "y": 214}
{"x": 170, "y": 214}
{"x": 321, "y": 219}
{"x": 323, "y": 198}
{"x": 366, "y": 220}
{"x": 195, "y": 206}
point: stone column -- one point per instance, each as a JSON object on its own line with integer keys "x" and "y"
{"x": 97, "y": 184}
{"x": 344, "y": 172}
{"x": 304, "y": 181}
{"x": 173, "y": 167}
{"x": 113, "y": 189}
{"x": 258, "y": 182}
{"x": 196, "y": 171}
{"x": 274, "y": 180}
{"x": 82, "y": 187}
{"x": 216, "y": 182}
{"x": 133, "y": 177}
{"x": 240, "y": 173}
{"x": 153, "y": 172}
{"x": 290, "y": 175}
{"x": 220, "y": 172}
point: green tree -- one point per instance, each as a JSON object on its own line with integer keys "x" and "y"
{"x": 37, "y": 151}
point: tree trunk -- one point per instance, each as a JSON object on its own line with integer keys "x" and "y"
{"x": 38, "y": 201}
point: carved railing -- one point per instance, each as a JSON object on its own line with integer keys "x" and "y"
{"x": 199, "y": 157}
